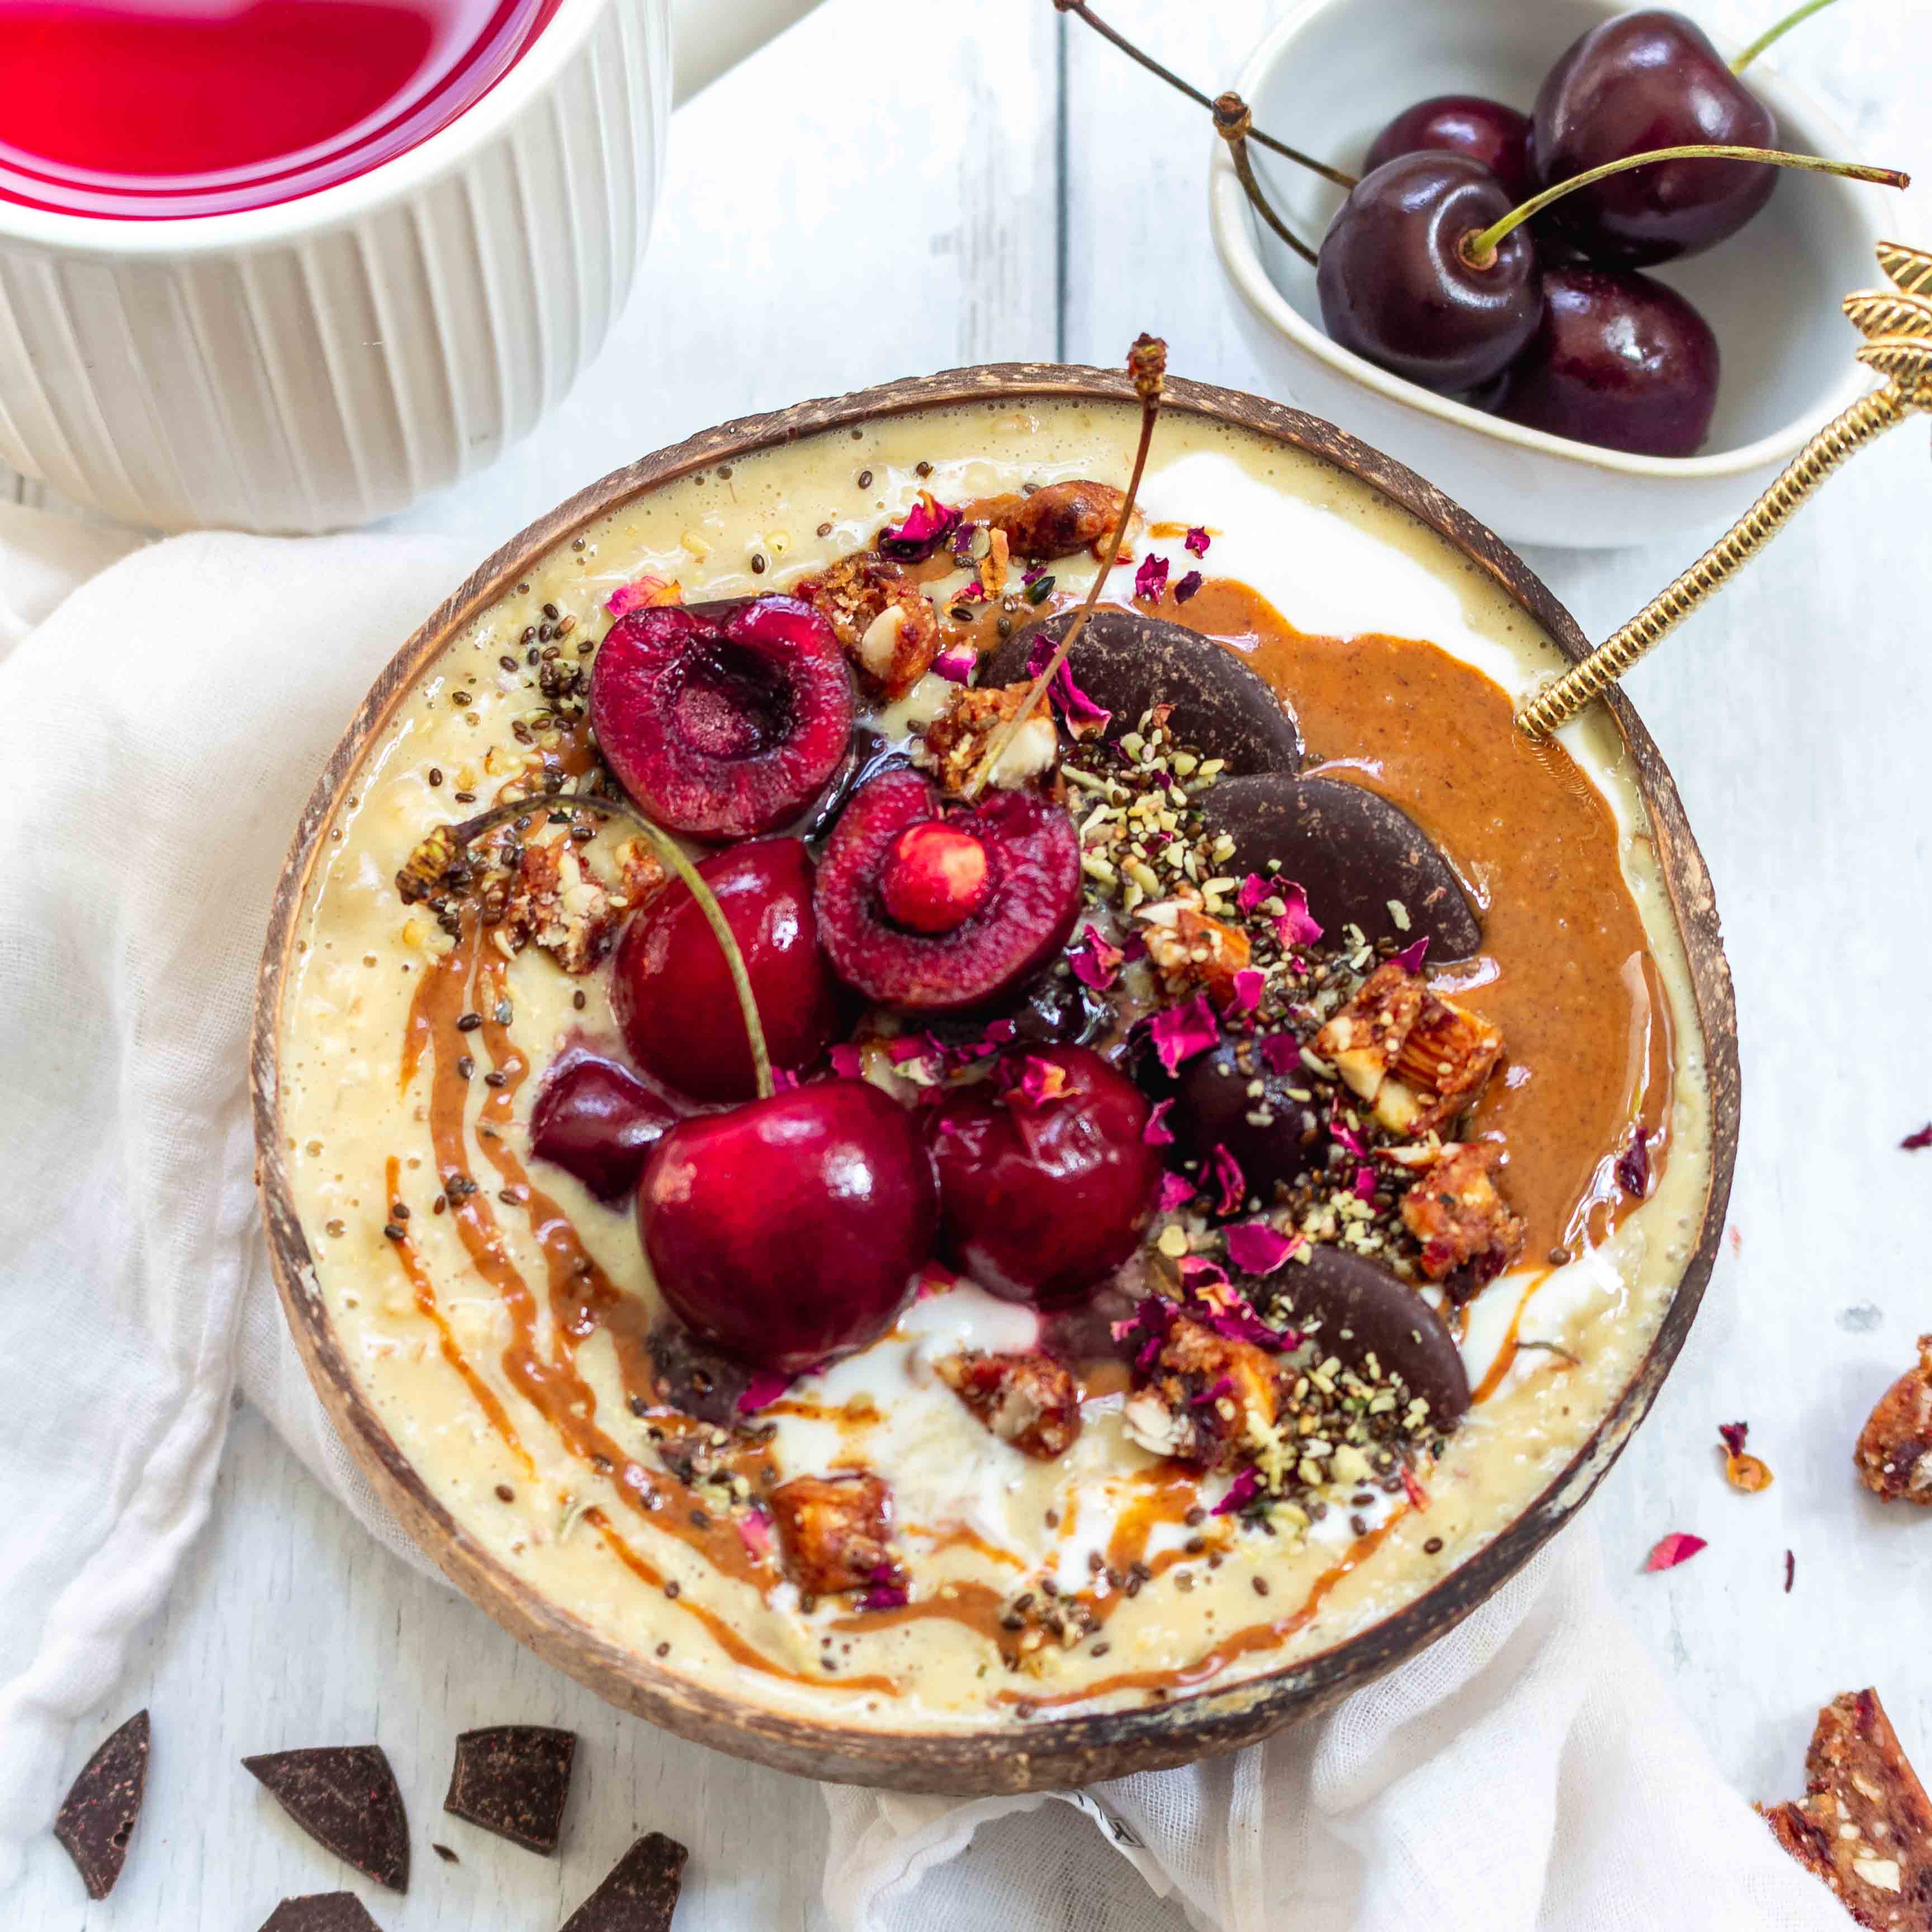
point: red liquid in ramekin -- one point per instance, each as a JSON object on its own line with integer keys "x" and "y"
{"x": 139, "y": 109}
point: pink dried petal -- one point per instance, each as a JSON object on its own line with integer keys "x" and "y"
{"x": 1241, "y": 1492}
{"x": 1412, "y": 1487}
{"x": 1365, "y": 1184}
{"x": 927, "y": 525}
{"x": 962, "y": 543}
{"x": 1176, "y": 1191}
{"x": 1410, "y": 957}
{"x": 1187, "y": 587}
{"x": 1732, "y": 1435}
{"x": 1255, "y": 1248}
{"x": 998, "y": 1032}
{"x": 847, "y": 1061}
{"x": 1296, "y": 926}
{"x": 1096, "y": 960}
{"x": 1151, "y": 580}
{"x": 1282, "y": 1053}
{"x": 1040, "y": 1081}
{"x": 640, "y": 593}
{"x": 957, "y": 665}
{"x": 1156, "y": 1133}
{"x": 764, "y": 1388}
{"x": 1679, "y": 1546}
{"x": 1250, "y": 893}
{"x": 884, "y": 1597}
{"x": 1923, "y": 1138}
{"x": 908, "y": 1046}
{"x": 1085, "y": 719}
{"x": 1196, "y": 541}
{"x": 1224, "y": 1176}
{"x": 1345, "y": 1136}
{"x": 1199, "y": 1275}
{"x": 1248, "y": 984}
{"x": 755, "y": 1533}
{"x": 1633, "y": 1166}
{"x": 1179, "y": 1033}
{"x": 784, "y": 1080}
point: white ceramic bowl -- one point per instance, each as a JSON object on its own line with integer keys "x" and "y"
{"x": 1333, "y": 72}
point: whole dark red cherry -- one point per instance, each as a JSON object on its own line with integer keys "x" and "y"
{"x": 1461, "y": 124}
{"x": 1396, "y": 289}
{"x": 1620, "y": 361}
{"x": 1047, "y": 1186}
{"x": 1645, "y": 80}
{"x": 722, "y": 720}
{"x": 597, "y": 1120}
{"x": 672, "y": 989}
{"x": 790, "y": 1230}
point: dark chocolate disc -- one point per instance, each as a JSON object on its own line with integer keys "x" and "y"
{"x": 1273, "y": 1136}
{"x": 1127, "y": 664}
{"x": 1364, "y": 1309}
{"x": 1355, "y": 855}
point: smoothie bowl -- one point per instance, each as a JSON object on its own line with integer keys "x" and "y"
{"x": 1240, "y": 1148}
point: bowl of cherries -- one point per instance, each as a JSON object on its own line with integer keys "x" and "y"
{"x": 1641, "y": 354}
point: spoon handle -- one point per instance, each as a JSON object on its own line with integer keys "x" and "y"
{"x": 1899, "y": 344}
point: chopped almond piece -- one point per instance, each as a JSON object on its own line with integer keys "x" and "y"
{"x": 883, "y": 620}
{"x": 1468, "y": 1233}
{"x": 1059, "y": 519}
{"x": 833, "y": 1532}
{"x": 1894, "y": 1453}
{"x": 1418, "y": 1061}
{"x": 957, "y": 740}
{"x": 1030, "y": 1401}
{"x": 1188, "y": 949}
{"x": 1864, "y": 1825}
{"x": 1203, "y": 1396}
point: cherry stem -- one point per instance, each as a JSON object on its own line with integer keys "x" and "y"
{"x": 1478, "y": 248}
{"x": 437, "y": 853}
{"x": 1772, "y": 35}
{"x": 1194, "y": 94}
{"x": 1146, "y": 363}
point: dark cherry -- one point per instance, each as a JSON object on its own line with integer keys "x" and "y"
{"x": 597, "y": 1120}
{"x": 1214, "y": 1107}
{"x": 722, "y": 720}
{"x": 1640, "y": 81}
{"x": 1059, "y": 1010}
{"x": 1041, "y": 1199}
{"x": 1620, "y": 361}
{"x": 930, "y": 909}
{"x": 1461, "y": 124}
{"x": 672, "y": 989}
{"x": 1396, "y": 287}
{"x": 870, "y": 753}
{"x": 790, "y": 1230}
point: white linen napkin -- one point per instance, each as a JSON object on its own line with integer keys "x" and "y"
{"x": 165, "y": 723}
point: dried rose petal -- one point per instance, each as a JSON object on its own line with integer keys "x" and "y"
{"x": 1040, "y": 1081}
{"x": 958, "y": 665}
{"x": 1197, "y": 540}
{"x": 1923, "y": 1138}
{"x": 1365, "y": 1184}
{"x": 1345, "y": 1136}
{"x": 1157, "y": 1132}
{"x": 1633, "y": 1166}
{"x": 1410, "y": 957}
{"x": 1733, "y": 1435}
{"x": 1679, "y": 1546}
{"x": 1200, "y": 1276}
{"x": 847, "y": 1061}
{"x": 754, "y": 1530}
{"x": 1176, "y": 1191}
{"x": 1255, "y": 1248}
{"x": 1151, "y": 580}
{"x": 927, "y": 525}
{"x": 1252, "y": 891}
{"x": 1248, "y": 984}
{"x": 909, "y": 1046}
{"x": 1282, "y": 1053}
{"x": 1179, "y": 1033}
{"x": 1412, "y": 1487}
{"x": 1295, "y": 926}
{"x": 884, "y": 1597}
{"x": 1790, "y": 1571}
{"x": 1096, "y": 960}
{"x": 1224, "y": 1176}
{"x": 1187, "y": 587}
{"x": 1241, "y": 1492}
{"x": 765, "y": 1388}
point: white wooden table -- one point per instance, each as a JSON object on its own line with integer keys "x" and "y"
{"x": 898, "y": 188}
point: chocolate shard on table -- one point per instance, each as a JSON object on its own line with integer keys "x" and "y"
{"x": 1894, "y": 1452}
{"x": 640, "y": 1893}
{"x": 1865, "y": 1824}
{"x": 345, "y": 1797}
{"x": 1361, "y": 861}
{"x": 97, "y": 1816}
{"x": 513, "y": 1780}
{"x": 1128, "y": 663}
{"x": 321, "y": 1912}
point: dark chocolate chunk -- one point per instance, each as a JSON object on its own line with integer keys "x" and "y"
{"x": 694, "y": 1377}
{"x": 321, "y": 1912}
{"x": 1273, "y": 1136}
{"x": 513, "y": 1780}
{"x": 97, "y": 1817}
{"x": 1127, "y": 664}
{"x": 641, "y": 1892}
{"x": 1364, "y": 1309}
{"x": 1351, "y": 852}
{"x": 344, "y": 1796}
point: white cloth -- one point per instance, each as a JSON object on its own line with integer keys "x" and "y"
{"x": 164, "y": 725}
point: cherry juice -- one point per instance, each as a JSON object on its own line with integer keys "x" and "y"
{"x": 149, "y": 109}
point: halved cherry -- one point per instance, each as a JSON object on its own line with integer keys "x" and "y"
{"x": 671, "y": 984}
{"x": 597, "y": 1120}
{"x": 722, "y": 720}
{"x": 933, "y": 909}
